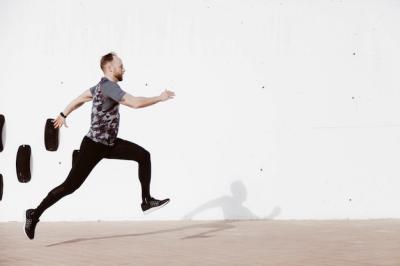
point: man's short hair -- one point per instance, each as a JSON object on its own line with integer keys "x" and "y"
{"x": 107, "y": 58}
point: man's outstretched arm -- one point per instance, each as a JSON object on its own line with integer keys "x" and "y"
{"x": 76, "y": 103}
{"x": 140, "y": 102}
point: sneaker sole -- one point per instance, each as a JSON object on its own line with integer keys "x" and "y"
{"x": 155, "y": 208}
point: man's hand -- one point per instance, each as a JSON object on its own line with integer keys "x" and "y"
{"x": 165, "y": 95}
{"x": 59, "y": 122}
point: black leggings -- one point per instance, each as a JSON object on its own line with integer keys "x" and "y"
{"x": 89, "y": 155}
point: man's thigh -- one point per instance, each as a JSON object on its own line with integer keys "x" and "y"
{"x": 126, "y": 150}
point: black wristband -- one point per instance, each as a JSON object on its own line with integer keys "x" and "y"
{"x": 63, "y": 115}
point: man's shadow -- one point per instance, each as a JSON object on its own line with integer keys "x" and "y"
{"x": 232, "y": 206}
{"x": 233, "y": 209}
{"x": 216, "y": 226}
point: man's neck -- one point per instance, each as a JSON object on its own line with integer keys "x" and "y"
{"x": 110, "y": 77}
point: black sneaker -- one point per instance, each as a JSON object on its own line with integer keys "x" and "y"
{"x": 153, "y": 204}
{"x": 30, "y": 223}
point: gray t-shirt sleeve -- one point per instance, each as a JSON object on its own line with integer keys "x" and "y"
{"x": 112, "y": 90}
{"x": 92, "y": 90}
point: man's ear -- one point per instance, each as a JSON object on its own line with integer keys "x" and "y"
{"x": 107, "y": 68}
{"x": 112, "y": 67}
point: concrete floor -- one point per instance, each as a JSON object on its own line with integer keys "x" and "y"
{"x": 288, "y": 243}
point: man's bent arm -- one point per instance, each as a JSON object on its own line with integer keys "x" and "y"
{"x": 79, "y": 101}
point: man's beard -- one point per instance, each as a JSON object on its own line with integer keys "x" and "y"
{"x": 119, "y": 77}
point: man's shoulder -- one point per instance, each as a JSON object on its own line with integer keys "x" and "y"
{"x": 109, "y": 83}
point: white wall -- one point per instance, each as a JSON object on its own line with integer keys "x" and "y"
{"x": 284, "y": 109}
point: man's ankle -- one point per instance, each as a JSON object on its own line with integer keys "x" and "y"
{"x": 34, "y": 214}
{"x": 146, "y": 198}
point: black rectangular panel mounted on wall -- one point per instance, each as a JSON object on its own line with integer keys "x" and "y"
{"x": 50, "y": 135}
{"x": 23, "y": 163}
{"x": 1, "y": 186}
{"x": 2, "y": 121}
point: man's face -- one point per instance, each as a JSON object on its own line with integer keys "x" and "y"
{"x": 117, "y": 68}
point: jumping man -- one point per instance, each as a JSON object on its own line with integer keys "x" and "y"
{"x": 101, "y": 141}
